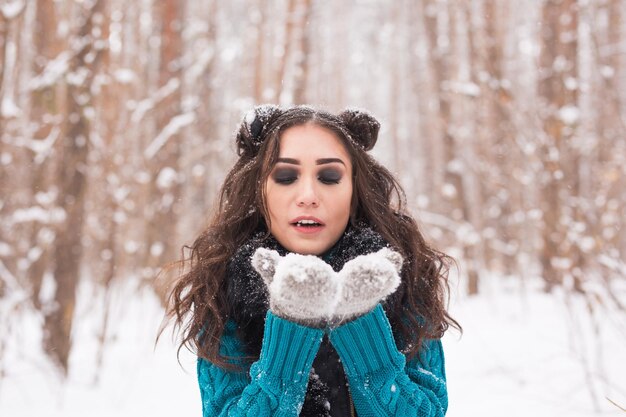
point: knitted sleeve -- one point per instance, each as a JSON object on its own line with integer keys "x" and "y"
{"x": 275, "y": 385}
{"x": 381, "y": 382}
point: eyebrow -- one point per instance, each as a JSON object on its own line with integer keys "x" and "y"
{"x": 321, "y": 161}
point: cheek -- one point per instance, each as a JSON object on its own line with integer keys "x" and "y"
{"x": 276, "y": 200}
{"x": 270, "y": 198}
{"x": 345, "y": 201}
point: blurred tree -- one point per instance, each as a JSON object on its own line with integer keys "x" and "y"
{"x": 260, "y": 24}
{"x": 440, "y": 39}
{"x": 500, "y": 146}
{"x": 47, "y": 114}
{"x": 86, "y": 47}
{"x": 285, "y": 54}
{"x": 558, "y": 89}
{"x": 202, "y": 161}
{"x": 301, "y": 66}
{"x": 12, "y": 237}
{"x": 163, "y": 153}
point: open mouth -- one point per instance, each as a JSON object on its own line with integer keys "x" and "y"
{"x": 307, "y": 223}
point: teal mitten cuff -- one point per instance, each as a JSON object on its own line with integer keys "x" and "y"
{"x": 366, "y": 344}
{"x": 288, "y": 348}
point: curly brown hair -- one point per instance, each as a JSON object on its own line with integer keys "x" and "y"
{"x": 198, "y": 303}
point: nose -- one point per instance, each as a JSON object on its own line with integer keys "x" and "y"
{"x": 307, "y": 194}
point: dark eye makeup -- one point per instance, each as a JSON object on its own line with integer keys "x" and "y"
{"x": 285, "y": 176}
{"x": 329, "y": 176}
{"x": 288, "y": 176}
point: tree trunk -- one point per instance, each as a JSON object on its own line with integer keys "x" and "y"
{"x": 71, "y": 177}
{"x": 558, "y": 109}
{"x": 165, "y": 187}
{"x": 45, "y": 112}
{"x": 454, "y": 189}
{"x": 15, "y": 191}
{"x": 281, "y": 73}
{"x": 258, "y": 65}
{"x": 301, "y": 75}
{"x": 499, "y": 129}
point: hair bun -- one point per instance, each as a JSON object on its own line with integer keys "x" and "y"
{"x": 253, "y": 129}
{"x": 363, "y": 126}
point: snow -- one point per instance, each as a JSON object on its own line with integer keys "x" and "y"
{"x": 78, "y": 78}
{"x": 124, "y": 75}
{"x": 613, "y": 263}
{"x": 156, "y": 249}
{"x": 41, "y": 147}
{"x": 607, "y": 71}
{"x": 142, "y": 177}
{"x": 523, "y": 352}
{"x": 9, "y": 109}
{"x": 448, "y": 190}
{"x": 569, "y": 114}
{"x": 46, "y": 198}
{"x": 52, "y": 72}
{"x": 172, "y": 128}
{"x": 5, "y": 249}
{"x": 360, "y": 111}
{"x": 167, "y": 178}
{"x": 136, "y": 377}
{"x": 533, "y": 354}
{"x": 466, "y": 88}
{"x": 201, "y": 63}
{"x": 250, "y": 116}
{"x": 6, "y": 158}
{"x": 131, "y": 246}
{"x": 142, "y": 107}
{"x": 48, "y": 289}
{"x": 36, "y": 213}
{"x": 11, "y": 9}
{"x": 263, "y": 111}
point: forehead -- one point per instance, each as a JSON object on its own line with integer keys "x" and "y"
{"x": 311, "y": 141}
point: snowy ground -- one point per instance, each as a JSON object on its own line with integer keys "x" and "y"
{"x": 534, "y": 356}
{"x": 519, "y": 356}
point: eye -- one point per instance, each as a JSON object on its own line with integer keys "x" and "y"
{"x": 329, "y": 176}
{"x": 285, "y": 176}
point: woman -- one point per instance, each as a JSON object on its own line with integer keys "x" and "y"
{"x": 312, "y": 291}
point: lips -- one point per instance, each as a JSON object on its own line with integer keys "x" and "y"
{"x": 307, "y": 224}
{"x": 307, "y": 221}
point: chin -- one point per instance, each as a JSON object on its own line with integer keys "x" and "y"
{"x": 309, "y": 248}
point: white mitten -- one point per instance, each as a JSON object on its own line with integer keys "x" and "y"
{"x": 302, "y": 288}
{"x": 367, "y": 280}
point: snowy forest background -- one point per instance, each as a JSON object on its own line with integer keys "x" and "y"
{"x": 504, "y": 120}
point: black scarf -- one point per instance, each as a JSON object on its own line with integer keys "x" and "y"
{"x": 327, "y": 392}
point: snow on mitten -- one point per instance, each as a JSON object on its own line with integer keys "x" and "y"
{"x": 366, "y": 280}
{"x": 302, "y": 288}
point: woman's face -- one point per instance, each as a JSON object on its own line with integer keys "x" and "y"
{"x": 309, "y": 190}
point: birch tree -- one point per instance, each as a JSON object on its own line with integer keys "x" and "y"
{"x": 71, "y": 179}
{"x": 559, "y": 112}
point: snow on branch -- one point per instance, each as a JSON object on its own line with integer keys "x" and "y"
{"x": 43, "y": 215}
{"x": 141, "y": 108}
{"x": 52, "y": 72}
{"x": 41, "y": 147}
{"x": 613, "y": 264}
{"x": 172, "y": 128}
{"x": 439, "y": 220}
{"x": 11, "y": 9}
{"x": 200, "y": 64}
{"x": 14, "y": 295}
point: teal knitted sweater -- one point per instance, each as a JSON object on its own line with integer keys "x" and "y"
{"x": 381, "y": 382}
